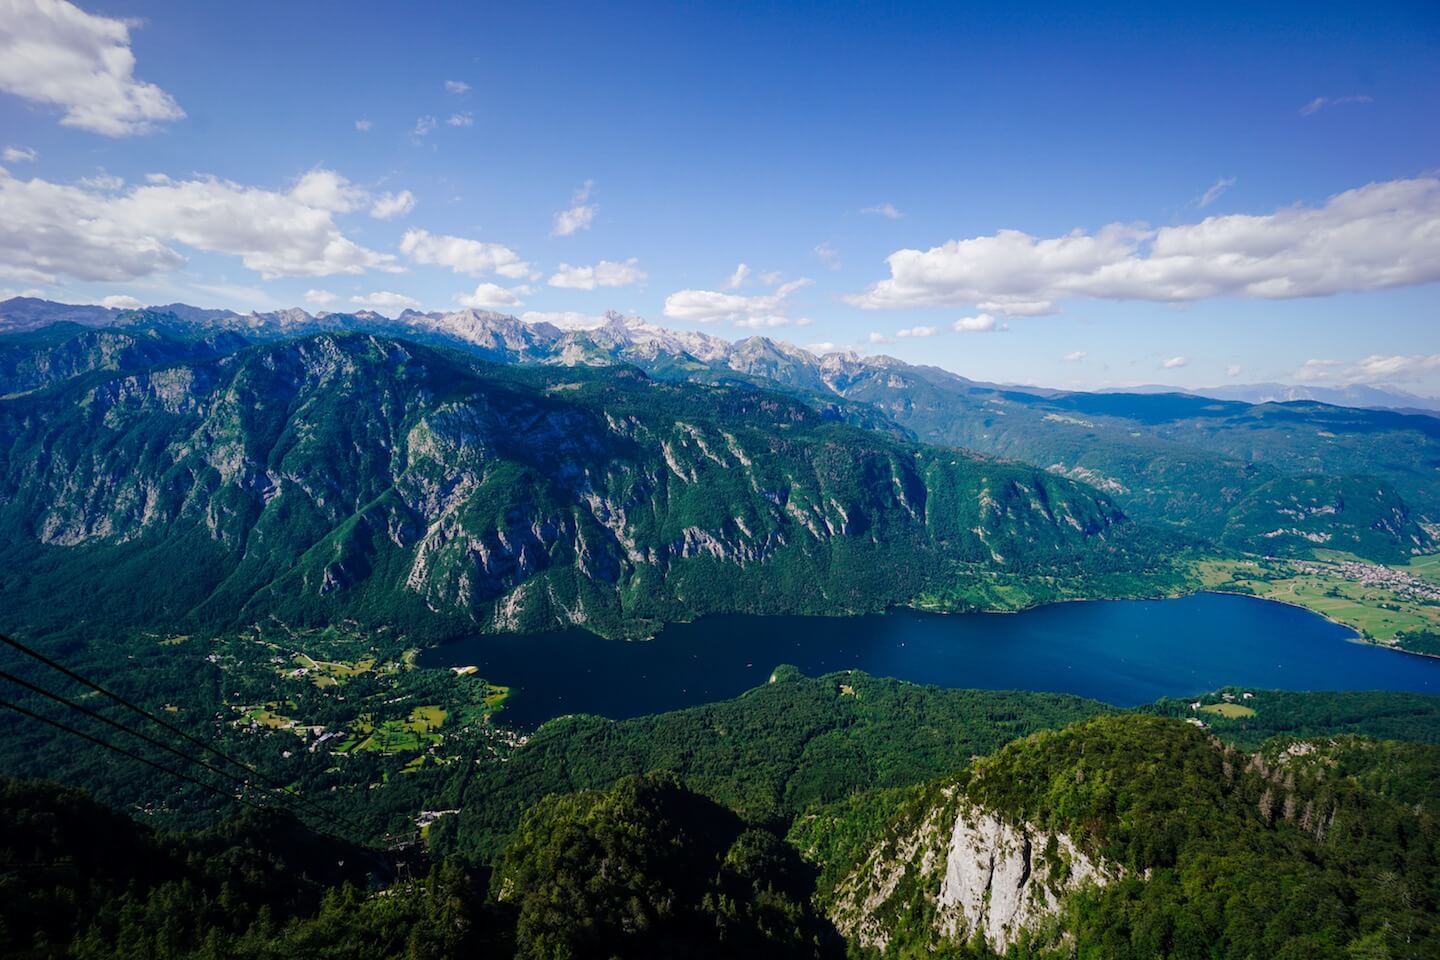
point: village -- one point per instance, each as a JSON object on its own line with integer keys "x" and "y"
{"x": 1405, "y": 585}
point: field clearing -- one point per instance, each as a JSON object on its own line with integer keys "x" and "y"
{"x": 403, "y": 736}
{"x": 1427, "y": 566}
{"x": 329, "y": 673}
{"x": 1232, "y": 711}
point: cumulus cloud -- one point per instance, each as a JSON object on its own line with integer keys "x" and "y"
{"x": 980, "y": 323}
{"x": 918, "y": 331}
{"x": 102, "y": 181}
{"x": 1233, "y": 370}
{"x": 328, "y": 190}
{"x": 1320, "y": 103}
{"x": 580, "y": 214}
{"x": 320, "y": 298}
{"x": 1374, "y": 237}
{"x": 363, "y": 126}
{"x": 1075, "y": 356}
{"x": 606, "y": 273}
{"x": 1018, "y": 308}
{"x": 120, "y": 301}
{"x": 490, "y": 296}
{"x": 84, "y": 232}
{"x": 823, "y": 347}
{"x": 738, "y": 278}
{"x": 829, "y": 256}
{"x": 710, "y": 306}
{"x": 424, "y": 126}
{"x": 457, "y": 86}
{"x": 461, "y": 120}
{"x": 1373, "y": 369}
{"x": 886, "y": 210}
{"x": 763, "y": 323}
{"x": 1174, "y": 363}
{"x": 386, "y": 300}
{"x": 1216, "y": 189}
{"x": 463, "y": 255}
{"x": 388, "y": 206}
{"x": 19, "y": 155}
{"x": 54, "y": 53}
{"x": 878, "y": 338}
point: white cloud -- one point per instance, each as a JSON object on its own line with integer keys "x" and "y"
{"x": 772, "y": 278}
{"x": 364, "y": 126}
{"x": 1372, "y": 369}
{"x": 1233, "y": 370}
{"x": 461, "y": 120}
{"x": 1174, "y": 363}
{"x": 709, "y": 306}
{"x": 424, "y": 126}
{"x": 19, "y": 155}
{"x": 763, "y": 323}
{"x": 386, "y": 300}
{"x": 738, "y": 278}
{"x": 580, "y": 215}
{"x": 51, "y": 230}
{"x": 463, "y": 255}
{"x": 328, "y": 190}
{"x": 878, "y": 338}
{"x": 102, "y": 181}
{"x": 823, "y": 347}
{"x": 980, "y": 323}
{"x": 803, "y": 321}
{"x": 886, "y": 210}
{"x": 829, "y": 256}
{"x": 1320, "y": 103}
{"x": 1213, "y": 193}
{"x": 320, "y": 298}
{"x": 457, "y": 86}
{"x": 1374, "y": 237}
{"x": 489, "y": 296}
{"x": 918, "y": 331}
{"x": 1075, "y": 356}
{"x": 388, "y": 206}
{"x": 1017, "y": 308}
{"x": 120, "y": 301}
{"x": 566, "y": 320}
{"x": 54, "y": 53}
{"x": 606, "y": 273}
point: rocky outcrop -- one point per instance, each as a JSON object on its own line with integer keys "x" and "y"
{"x": 972, "y": 872}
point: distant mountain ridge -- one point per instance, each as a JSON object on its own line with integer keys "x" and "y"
{"x": 1347, "y": 395}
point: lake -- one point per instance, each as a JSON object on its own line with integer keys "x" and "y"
{"x": 1124, "y": 652}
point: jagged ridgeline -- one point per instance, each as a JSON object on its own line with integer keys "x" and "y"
{"x": 356, "y": 475}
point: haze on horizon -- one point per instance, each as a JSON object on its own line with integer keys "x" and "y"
{"x": 984, "y": 190}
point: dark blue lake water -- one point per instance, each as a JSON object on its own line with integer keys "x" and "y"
{"x": 1124, "y": 652}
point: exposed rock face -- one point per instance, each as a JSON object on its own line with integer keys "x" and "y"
{"x": 973, "y": 872}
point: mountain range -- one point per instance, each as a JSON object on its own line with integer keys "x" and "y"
{"x": 1272, "y": 477}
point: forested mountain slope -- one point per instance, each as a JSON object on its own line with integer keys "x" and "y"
{"x": 350, "y": 474}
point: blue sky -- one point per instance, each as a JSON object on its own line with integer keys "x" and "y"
{"x": 1124, "y": 196}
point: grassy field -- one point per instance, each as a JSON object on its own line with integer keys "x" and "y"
{"x": 1233, "y": 711}
{"x": 1374, "y": 612}
{"x": 1426, "y": 566}
{"x": 416, "y": 733}
{"x": 329, "y": 673}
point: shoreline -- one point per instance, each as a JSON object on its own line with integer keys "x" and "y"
{"x": 1359, "y": 638}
